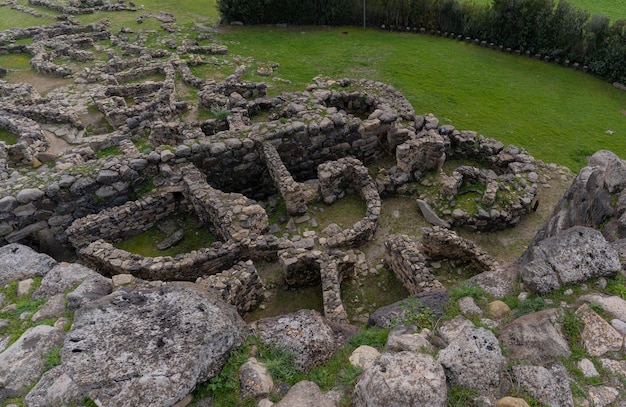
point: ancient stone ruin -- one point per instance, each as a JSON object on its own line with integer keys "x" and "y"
{"x": 136, "y": 155}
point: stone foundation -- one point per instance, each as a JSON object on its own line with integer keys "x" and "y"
{"x": 240, "y": 286}
{"x": 406, "y": 258}
{"x": 442, "y": 243}
{"x": 348, "y": 175}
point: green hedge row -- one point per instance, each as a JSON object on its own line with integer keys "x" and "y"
{"x": 558, "y": 30}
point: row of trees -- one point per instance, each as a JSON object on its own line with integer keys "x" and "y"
{"x": 558, "y": 30}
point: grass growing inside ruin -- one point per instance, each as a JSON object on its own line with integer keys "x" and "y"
{"x": 286, "y": 300}
{"x": 558, "y": 114}
{"x": 197, "y": 236}
{"x": 17, "y": 62}
{"x": 8, "y": 137}
{"x": 345, "y": 212}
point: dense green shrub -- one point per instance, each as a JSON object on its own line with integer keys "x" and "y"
{"x": 557, "y": 30}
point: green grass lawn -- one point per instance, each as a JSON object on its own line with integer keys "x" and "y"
{"x": 558, "y": 114}
{"x": 615, "y": 9}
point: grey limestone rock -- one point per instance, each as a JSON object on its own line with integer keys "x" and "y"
{"x": 22, "y": 363}
{"x": 451, "y": 329}
{"x": 364, "y": 356}
{"x": 305, "y": 393}
{"x": 574, "y": 256}
{"x": 430, "y": 215}
{"x": 55, "y": 388}
{"x": 613, "y": 305}
{"x": 602, "y": 396}
{"x": 549, "y": 385}
{"x": 305, "y": 333}
{"x": 473, "y": 350}
{"x": 18, "y": 262}
{"x": 54, "y": 307}
{"x": 159, "y": 344}
{"x": 403, "y": 338}
{"x": 497, "y": 282}
{"x": 535, "y": 337}
{"x": 65, "y": 277}
{"x": 29, "y": 194}
{"x": 402, "y": 379}
{"x": 254, "y": 379}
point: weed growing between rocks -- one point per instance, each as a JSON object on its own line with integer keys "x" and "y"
{"x": 53, "y": 358}
{"x": 336, "y": 373}
{"x": 460, "y": 396}
{"x": 16, "y": 315}
{"x": 413, "y": 313}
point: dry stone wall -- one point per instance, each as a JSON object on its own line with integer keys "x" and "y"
{"x": 408, "y": 262}
{"x": 348, "y": 175}
{"x": 240, "y": 286}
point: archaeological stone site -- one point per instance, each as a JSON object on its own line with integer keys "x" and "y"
{"x": 147, "y": 236}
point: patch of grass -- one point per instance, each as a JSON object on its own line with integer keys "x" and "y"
{"x": 8, "y": 137}
{"x": 53, "y": 358}
{"x": 364, "y": 296}
{"x": 280, "y": 210}
{"x": 416, "y": 314}
{"x": 572, "y": 328}
{"x": 140, "y": 190}
{"x": 338, "y": 372}
{"x": 464, "y": 290}
{"x": 143, "y": 143}
{"x": 13, "y": 401}
{"x": 196, "y": 236}
{"x": 220, "y": 114}
{"x": 374, "y": 337}
{"x": 19, "y": 62}
{"x": 345, "y": 212}
{"x": 617, "y": 286}
{"x": 467, "y": 290}
{"x": 530, "y": 305}
{"x": 13, "y": 18}
{"x": 496, "y": 94}
{"x": 113, "y": 150}
{"x": 224, "y": 388}
{"x": 460, "y": 396}
{"x": 23, "y": 304}
{"x": 610, "y": 8}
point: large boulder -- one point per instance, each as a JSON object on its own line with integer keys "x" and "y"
{"x": 497, "y": 282}
{"x": 18, "y": 262}
{"x": 598, "y": 336}
{"x": 434, "y": 300}
{"x": 402, "y": 379}
{"x": 22, "y": 363}
{"x": 535, "y": 337}
{"x": 143, "y": 346}
{"x": 573, "y": 256}
{"x": 305, "y": 393}
{"x": 590, "y": 200}
{"x": 306, "y": 334}
{"x": 66, "y": 277}
{"x": 548, "y": 385}
{"x": 473, "y": 350}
